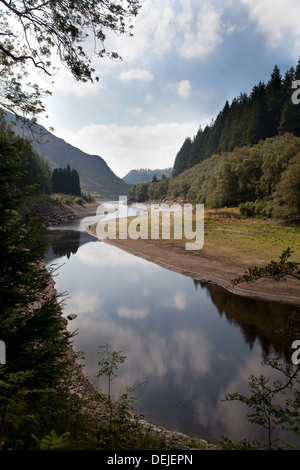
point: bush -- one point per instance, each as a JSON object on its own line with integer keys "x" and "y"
{"x": 264, "y": 208}
{"x": 259, "y": 207}
{"x": 247, "y": 209}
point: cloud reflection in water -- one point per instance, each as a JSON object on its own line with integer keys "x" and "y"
{"x": 176, "y": 340}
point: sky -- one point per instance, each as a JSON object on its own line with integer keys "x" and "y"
{"x": 186, "y": 58}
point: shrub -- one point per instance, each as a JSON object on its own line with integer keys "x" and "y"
{"x": 247, "y": 209}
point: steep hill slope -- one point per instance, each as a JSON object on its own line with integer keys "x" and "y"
{"x": 95, "y": 175}
{"x": 267, "y": 111}
{"x": 142, "y": 175}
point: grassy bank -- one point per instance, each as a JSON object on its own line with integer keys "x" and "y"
{"x": 70, "y": 199}
{"x": 249, "y": 240}
{"x": 230, "y": 236}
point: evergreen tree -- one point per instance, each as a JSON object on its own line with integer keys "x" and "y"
{"x": 36, "y": 174}
{"x": 31, "y": 323}
{"x": 213, "y": 144}
{"x": 196, "y": 154}
{"x": 75, "y": 183}
{"x": 66, "y": 181}
{"x": 290, "y": 116}
{"x": 274, "y": 101}
{"x": 290, "y": 119}
{"x": 266, "y": 112}
{"x": 183, "y": 156}
{"x": 257, "y": 128}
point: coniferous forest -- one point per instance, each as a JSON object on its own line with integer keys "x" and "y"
{"x": 249, "y": 156}
{"x": 66, "y": 181}
{"x": 266, "y": 112}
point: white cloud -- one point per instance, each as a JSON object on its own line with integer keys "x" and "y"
{"x": 180, "y": 301}
{"x": 135, "y": 111}
{"x": 110, "y": 258}
{"x": 136, "y": 74}
{"x": 200, "y": 31}
{"x": 133, "y": 313}
{"x": 126, "y": 147}
{"x": 183, "y": 88}
{"x": 154, "y": 30}
{"x": 139, "y": 136}
{"x": 164, "y": 34}
{"x": 189, "y": 27}
{"x": 80, "y": 303}
{"x": 276, "y": 19}
{"x": 82, "y": 90}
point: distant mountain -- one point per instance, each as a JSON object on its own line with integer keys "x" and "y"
{"x": 95, "y": 175}
{"x": 143, "y": 175}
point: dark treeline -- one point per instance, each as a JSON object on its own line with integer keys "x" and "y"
{"x": 31, "y": 324}
{"x": 38, "y": 406}
{"x": 66, "y": 181}
{"x": 266, "y": 112}
{"x": 249, "y": 157}
{"x": 263, "y": 179}
{"x": 44, "y": 402}
{"x": 34, "y": 174}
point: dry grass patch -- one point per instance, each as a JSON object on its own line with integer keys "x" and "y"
{"x": 227, "y": 236}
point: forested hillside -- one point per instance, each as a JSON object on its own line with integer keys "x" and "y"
{"x": 266, "y": 112}
{"x": 94, "y": 173}
{"x": 261, "y": 179}
{"x": 33, "y": 174}
{"x": 249, "y": 157}
{"x": 142, "y": 175}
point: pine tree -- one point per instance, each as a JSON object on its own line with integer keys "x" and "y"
{"x": 290, "y": 116}
{"x": 75, "y": 183}
{"x": 183, "y": 156}
{"x": 66, "y": 181}
{"x": 266, "y": 112}
{"x": 274, "y": 101}
{"x": 257, "y": 128}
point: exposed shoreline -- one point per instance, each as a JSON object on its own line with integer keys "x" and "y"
{"x": 53, "y": 214}
{"x": 81, "y": 383}
{"x": 208, "y": 269}
{"x": 199, "y": 267}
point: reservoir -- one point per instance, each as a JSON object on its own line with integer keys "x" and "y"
{"x": 186, "y": 344}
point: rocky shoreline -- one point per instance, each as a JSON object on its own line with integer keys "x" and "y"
{"x": 174, "y": 440}
{"x": 59, "y": 213}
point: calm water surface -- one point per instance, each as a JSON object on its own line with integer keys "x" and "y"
{"x": 187, "y": 344}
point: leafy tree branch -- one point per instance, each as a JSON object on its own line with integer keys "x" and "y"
{"x": 32, "y": 31}
{"x": 266, "y": 409}
{"x": 277, "y": 270}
